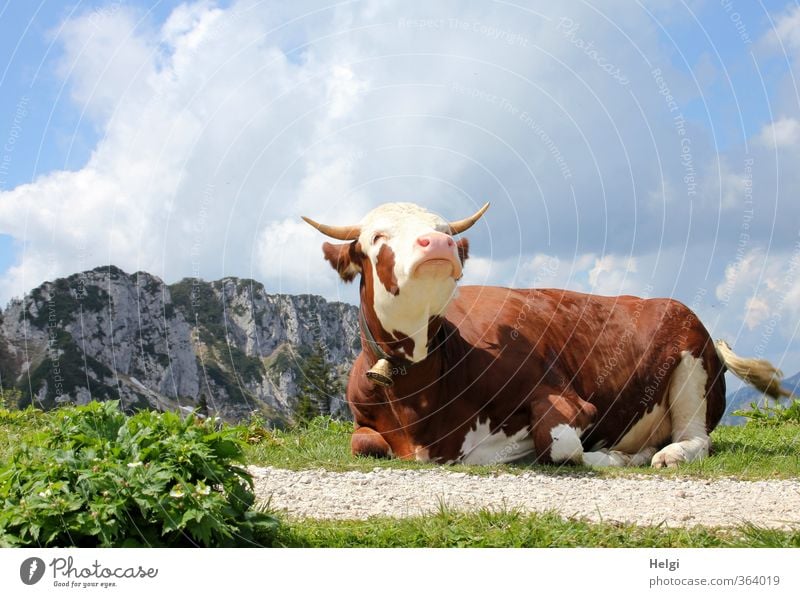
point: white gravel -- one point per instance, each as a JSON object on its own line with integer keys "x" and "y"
{"x": 642, "y": 500}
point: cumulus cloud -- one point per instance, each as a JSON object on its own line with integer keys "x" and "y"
{"x": 609, "y": 274}
{"x": 761, "y": 292}
{"x": 758, "y": 310}
{"x": 784, "y": 132}
{"x": 222, "y": 125}
{"x": 786, "y": 30}
{"x": 255, "y": 114}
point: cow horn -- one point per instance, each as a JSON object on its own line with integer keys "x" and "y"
{"x": 466, "y": 223}
{"x": 337, "y": 232}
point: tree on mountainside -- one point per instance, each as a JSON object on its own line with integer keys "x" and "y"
{"x": 202, "y": 406}
{"x": 316, "y": 385}
{"x": 10, "y": 398}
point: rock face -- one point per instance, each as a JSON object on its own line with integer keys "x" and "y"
{"x": 104, "y": 334}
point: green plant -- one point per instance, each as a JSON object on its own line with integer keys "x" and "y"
{"x": 92, "y": 476}
{"x": 771, "y": 415}
{"x": 256, "y": 431}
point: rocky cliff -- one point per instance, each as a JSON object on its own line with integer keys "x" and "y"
{"x": 105, "y": 334}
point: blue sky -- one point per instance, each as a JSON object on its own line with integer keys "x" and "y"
{"x": 187, "y": 139}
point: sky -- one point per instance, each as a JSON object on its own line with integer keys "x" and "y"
{"x": 627, "y": 147}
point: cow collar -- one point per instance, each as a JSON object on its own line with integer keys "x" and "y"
{"x": 386, "y": 366}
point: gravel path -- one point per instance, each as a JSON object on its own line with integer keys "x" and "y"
{"x": 642, "y": 500}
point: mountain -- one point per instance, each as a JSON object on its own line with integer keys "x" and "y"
{"x": 106, "y": 334}
{"x": 741, "y": 399}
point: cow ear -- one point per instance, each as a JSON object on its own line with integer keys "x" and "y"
{"x": 462, "y": 245}
{"x": 344, "y": 258}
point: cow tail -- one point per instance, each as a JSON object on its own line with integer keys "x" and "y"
{"x": 759, "y": 373}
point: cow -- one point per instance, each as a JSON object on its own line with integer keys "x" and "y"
{"x": 487, "y": 375}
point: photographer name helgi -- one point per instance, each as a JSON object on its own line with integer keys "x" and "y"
{"x": 67, "y": 574}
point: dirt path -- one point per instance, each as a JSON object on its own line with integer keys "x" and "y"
{"x": 641, "y": 500}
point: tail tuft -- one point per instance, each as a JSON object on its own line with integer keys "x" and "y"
{"x": 759, "y": 373}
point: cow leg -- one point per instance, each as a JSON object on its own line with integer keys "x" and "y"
{"x": 617, "y": 458}
{"x": 365, "y": 441}
{"x": 558, "y": 420}
{"x": 687, "y": 412}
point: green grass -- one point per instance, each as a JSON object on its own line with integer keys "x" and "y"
{"x": 750, "y": 452}
{"x": 514, "y": 529}
{"x": 19, "y": 427}
{"x": 744, "y": 452}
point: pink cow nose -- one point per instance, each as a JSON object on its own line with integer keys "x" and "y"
{"x": 435, "y": 241}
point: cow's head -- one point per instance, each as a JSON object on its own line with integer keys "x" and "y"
{"x": 409, "y": 263}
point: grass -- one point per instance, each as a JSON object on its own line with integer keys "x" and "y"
{"x": 18, "y": 427}
{"x": 515, "y": 529}
{"x": 750, "y": 452}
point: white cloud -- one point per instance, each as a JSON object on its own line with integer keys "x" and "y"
{"x": 602, "y": 274}
{"x": 761, "y": 292}
{"x": 758, "y": 310}
{"x": 784, "y": 132}
{"x": 786, "y": 29}
{"x": 106, "y": 58}
{"x": 247, "y": 117}
{"x": 220, "y": 127}
{"x": 611, "y": 274}
{"x": 344, "y": 89}
{"x": 522, "y": 271}
{"x": 293, "y": 254}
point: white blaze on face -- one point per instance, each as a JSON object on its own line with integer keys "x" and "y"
{"x": 406, "y": 294}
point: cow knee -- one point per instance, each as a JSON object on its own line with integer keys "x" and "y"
{"x": 558, "y": 444}
{"x": 558, "y": 422}
{"x": 368, "y": 442}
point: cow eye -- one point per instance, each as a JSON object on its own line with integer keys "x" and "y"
{"x": 377, "y": 236}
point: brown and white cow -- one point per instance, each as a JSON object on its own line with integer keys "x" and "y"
{"x": 482, "y": 374}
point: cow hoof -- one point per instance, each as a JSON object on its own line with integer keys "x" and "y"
{"x": 669, "y": 457}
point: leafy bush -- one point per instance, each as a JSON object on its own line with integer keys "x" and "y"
{"x": 256, "y": 430}
{"x": 91, "y": 476}
{"x": 771, "y": 415}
